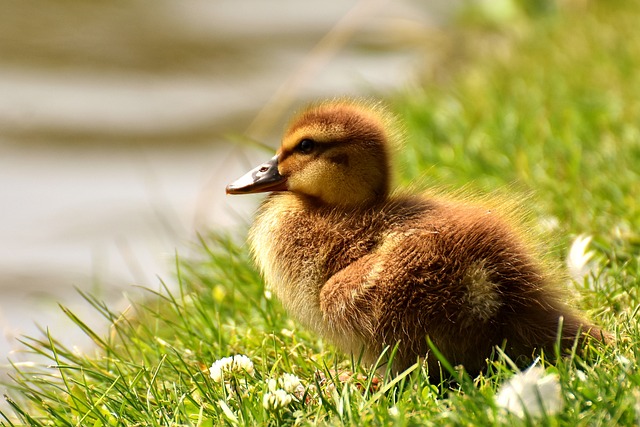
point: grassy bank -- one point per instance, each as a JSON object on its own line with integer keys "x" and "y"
{"x": 540, "y": 101}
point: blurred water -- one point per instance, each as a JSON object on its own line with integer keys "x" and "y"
{"x": 117, "y": 123}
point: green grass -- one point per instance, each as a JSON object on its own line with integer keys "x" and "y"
{"x": 547, "y": 103}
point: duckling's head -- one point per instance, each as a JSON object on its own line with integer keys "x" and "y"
{"x": 335, "y": 152}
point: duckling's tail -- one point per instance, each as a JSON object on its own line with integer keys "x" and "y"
{"x": 573, "y": 329}
{"x": 537, "y": 330}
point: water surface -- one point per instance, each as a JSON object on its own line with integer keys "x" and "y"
{"x": 121, "y": 123}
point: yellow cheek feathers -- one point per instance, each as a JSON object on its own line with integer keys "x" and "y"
{"x": 339, "y": 184}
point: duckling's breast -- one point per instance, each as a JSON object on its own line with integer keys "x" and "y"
{"x": 299, "y": 245}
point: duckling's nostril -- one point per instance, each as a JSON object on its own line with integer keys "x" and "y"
{"x": 263, "y": 169}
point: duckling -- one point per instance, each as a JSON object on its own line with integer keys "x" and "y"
{"x": 367, "y": 269}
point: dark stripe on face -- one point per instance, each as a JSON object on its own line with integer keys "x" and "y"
{"x": 340, "y": 159}
{"x": 318, "y": 150}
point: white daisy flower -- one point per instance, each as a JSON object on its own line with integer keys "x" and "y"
{"x": 290, "y": 383}
{"x": 531, "y": 392}
{"x": 580, "y": 375}
{"x": 579, "y": 257}
{"x": 393, "y": 411}
{"x": 272, "y": 384}
{"x": 276, "y": 400}
{"x": 230, "y": 365}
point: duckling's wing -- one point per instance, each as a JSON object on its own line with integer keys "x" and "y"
{"x": 348, "y": 301}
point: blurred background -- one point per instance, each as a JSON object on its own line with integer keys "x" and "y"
{"x": 122, "y": 122}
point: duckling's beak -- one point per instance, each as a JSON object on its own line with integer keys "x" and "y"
{"x": 261, "y": 179}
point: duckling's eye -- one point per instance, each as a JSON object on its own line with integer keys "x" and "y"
{"x": 306, "y": 146}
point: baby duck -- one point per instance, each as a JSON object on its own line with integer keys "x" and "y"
{"x": 368, "y": 269}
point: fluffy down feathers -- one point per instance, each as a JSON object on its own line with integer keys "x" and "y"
{"x": 366, "y": 269}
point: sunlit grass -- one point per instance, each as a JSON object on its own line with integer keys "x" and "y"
{"x": 552, "y": 111}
